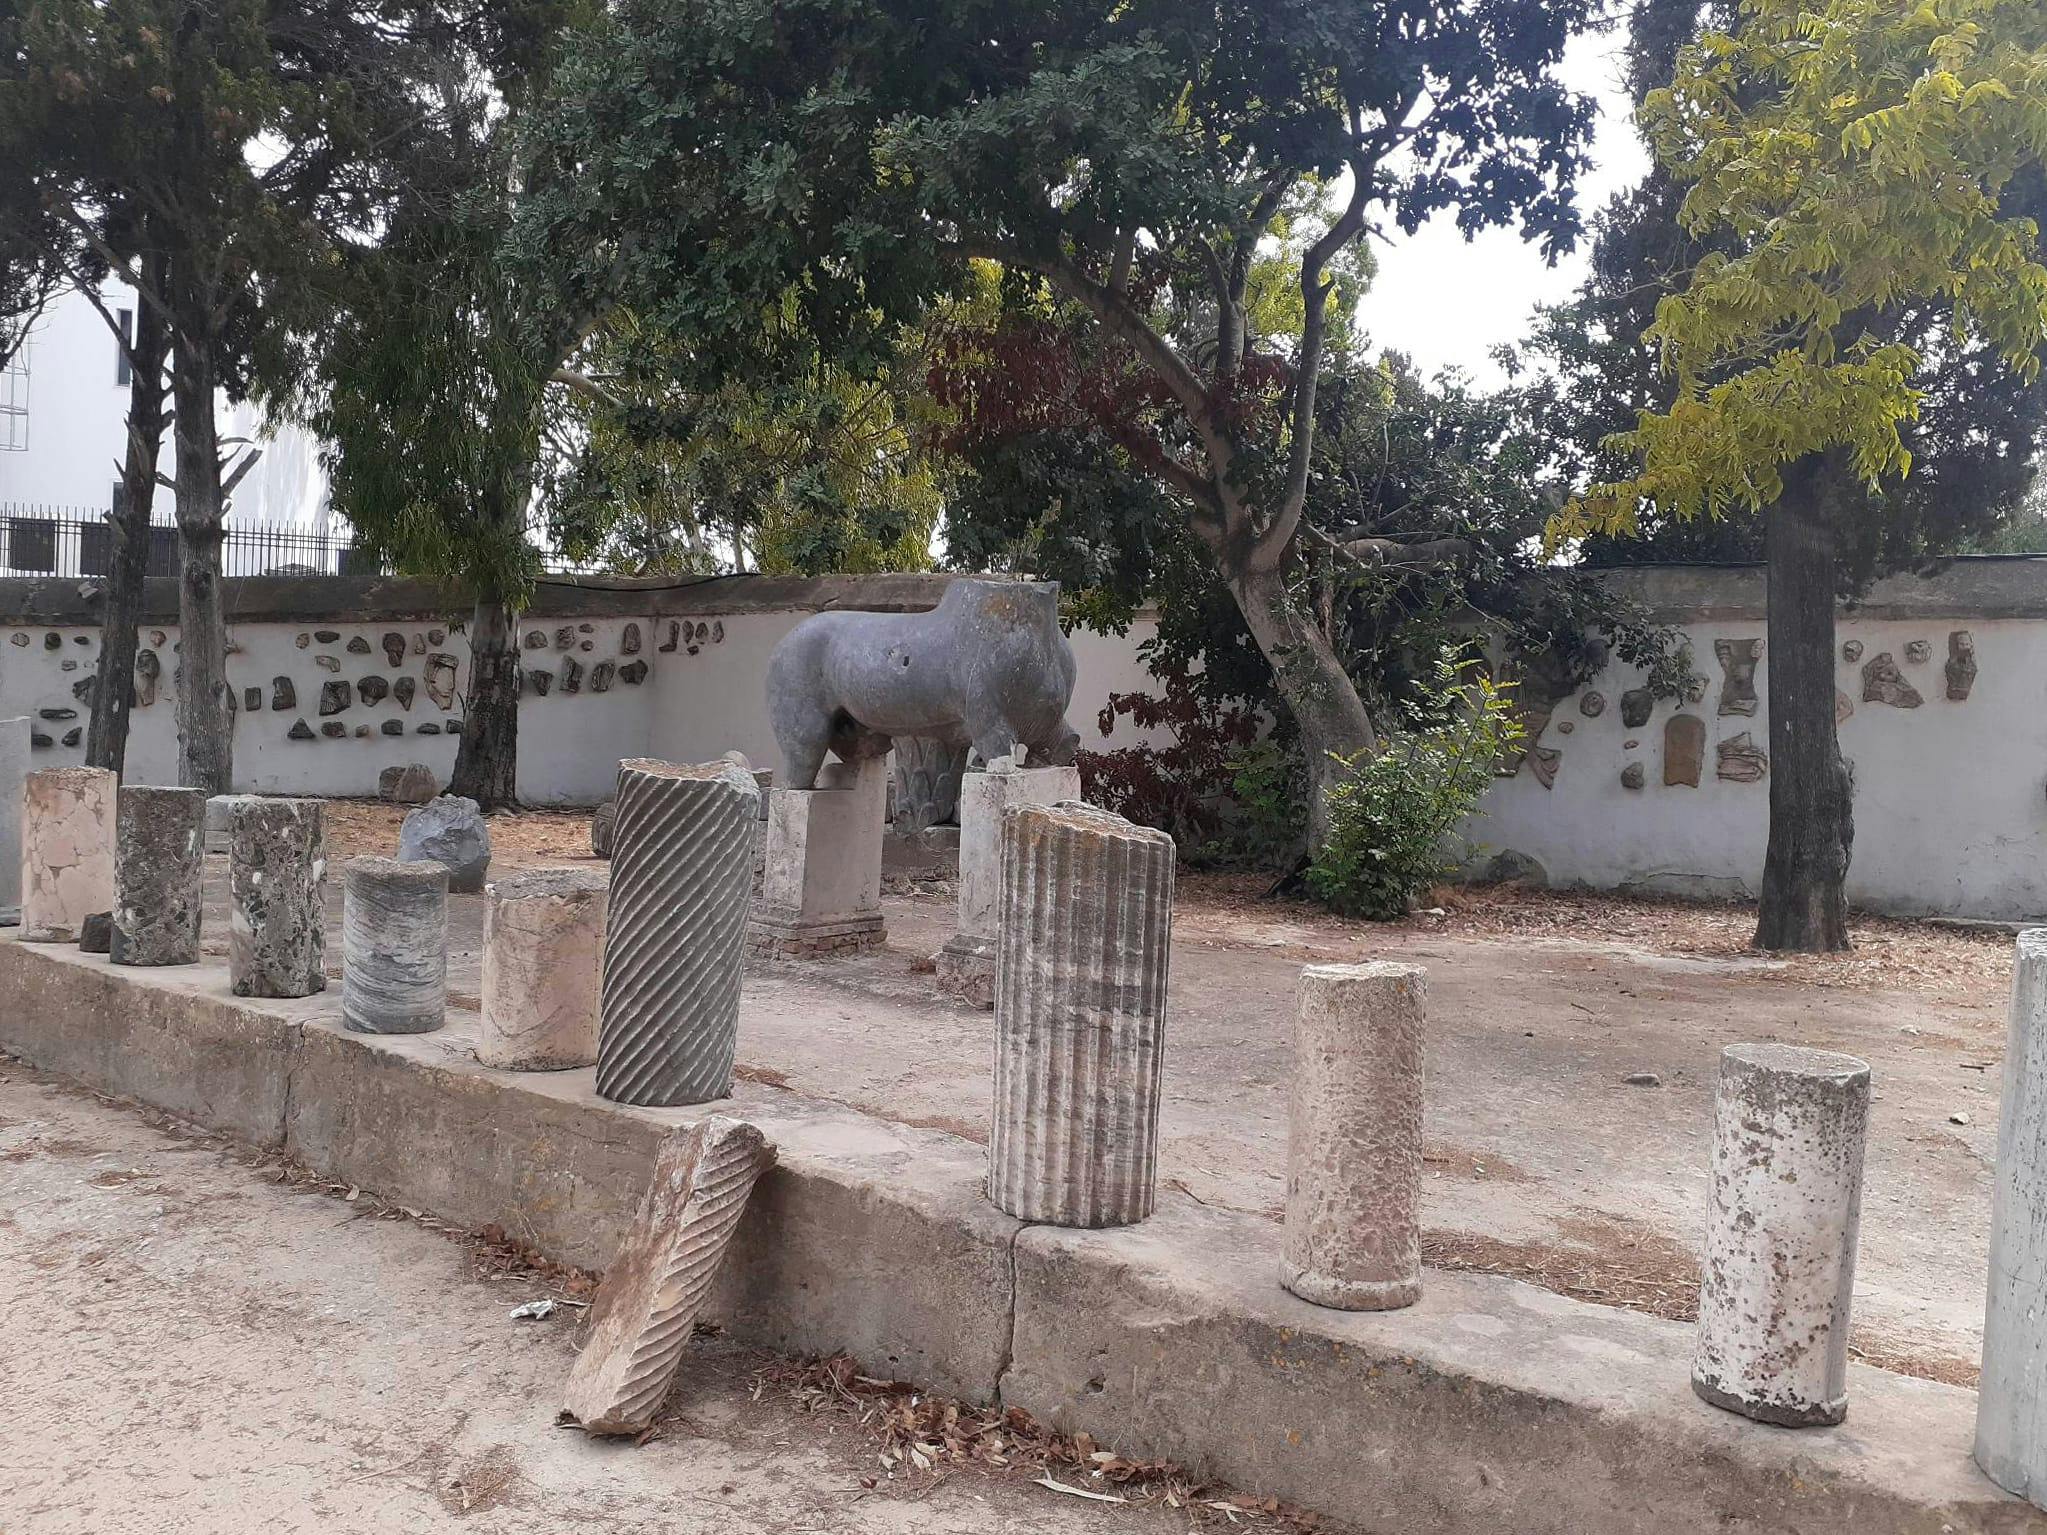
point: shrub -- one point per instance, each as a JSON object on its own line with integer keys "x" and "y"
{"x": 1390, "y": 811}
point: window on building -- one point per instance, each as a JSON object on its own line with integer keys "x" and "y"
{"x": 14, "y": 402}
{"x": 127, "y": 319}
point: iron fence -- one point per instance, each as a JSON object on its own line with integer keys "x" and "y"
{"x": 71, "y": 541}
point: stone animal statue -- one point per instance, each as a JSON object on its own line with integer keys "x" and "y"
{"x": 986, "y": 668}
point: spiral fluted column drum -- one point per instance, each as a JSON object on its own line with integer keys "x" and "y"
{"x": 1080, "y": 1011}
{"x": 394, "y": 946}
{"x": 277, "y": 896}
{"x": 159, "y": 858}
{"x": 675, "y": 934}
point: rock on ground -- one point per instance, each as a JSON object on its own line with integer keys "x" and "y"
{"x": 449, "y": 830}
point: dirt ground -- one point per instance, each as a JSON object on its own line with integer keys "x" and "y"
{"x": 1544, "y": 1161}
{"x": 200, "y": 1340}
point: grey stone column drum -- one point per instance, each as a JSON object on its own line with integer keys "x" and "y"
{"x": 675, "y": 934}
{"x": 159, "y": 861}
{"x": 1354, "y": 1141}
{"x": 277, "y": 897}
{"x": 394, "y": 946}
{"x": 1080, "y": 1011}
{"x": 1789, "y": 1126}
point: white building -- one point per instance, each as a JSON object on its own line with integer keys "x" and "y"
{"x": 63, "y": 431}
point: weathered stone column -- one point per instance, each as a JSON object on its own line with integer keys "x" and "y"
{"x": 277, "y": 896}
{"x": 2011, "y": 1399}
{"x": 821, "y": 889}
{"x": 394, "y": 946}
{"x": 14, "y": 750}
{"x": 966, "y": 965}
{"x": 67, "y": 851}
{"x": 1354, "y": 1143}
{"x": 1080, "y": 1010}
{"x": 675, "y": 933}
{"x": 220, "y": 817}
{"x": 655, "y": 1285}
{"x": 1779, "y": 1271}
{"x": 159, "y": 860}
{"x": 543, "y": 969}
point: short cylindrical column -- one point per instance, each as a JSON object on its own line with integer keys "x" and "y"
{"x": 1354, "y": 1142}
{"x": 67, "y": 851}
{"x": 543, "y": 967}
{"x": 14, "y": 750}
{"x": 394, "y": 946}
{"x": 1080, "y": 1009}
{"x": 159, "y": 862}
{"x": 2011, "y": 1399}
{"x": 675, "y": 932}
{"x": 277, "y": 894}
{"x": 1779, "y": 1274}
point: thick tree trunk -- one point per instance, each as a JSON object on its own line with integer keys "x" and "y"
{"x": 1804, "y": 903}
{"x": 1318, "y": 691}
{"x": 487, "y": 760}
{"x": 106, "y": 733}
{"x": 205, "y": 723}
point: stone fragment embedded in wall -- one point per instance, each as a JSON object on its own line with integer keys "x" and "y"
{"x": 58, "y": 715}
{"x": 601, "y": 675}
{"x": 427, "y": 729}
{"x": 1843, "y": 706}
{"x": 19, "y": 638}
{"x": 441, "y": 671}
{"x": 335, "y": 697}
{"x": 300, "y": 731}
{"x": 1741, "y": 760}
{"x": 586, "y": 628}
{"x": 674, "y": 635}
{"x": 565, "y": 637}
{"x": 1918, "y": 652}
{"x": 633, "y": 673}
{"x": 1565, "y": 727}
{"x": 540, "y": 682}
{"x": 1961, "y": 664}
{"x": 404, "y": 689}
{"x": 84, "y": 688}
{"x": 1637, "y": 704}
{"x": 156, "y": 636}
{"x": 73, "y": 735}
{"x": 373, "y": 689}
{"x": 1543, "y": 762}
{"x": 53, "y": 640}
{"x": 394, "y": 648}
{"x": 39, "y": 738}
{"x": 328, "y": 663}
{"x": 81, "y": 639}
{"x": 326, "y": 636}
{"x": 252, "y": 700}
{"x": 1592, "y": 704}
{"x": 1851, "y": 651}
{"x": 67, "y": 666}
{"x": 148, "y": 668}
{"x": 1738, "y": 660}
{"x": 587, "y": 645}
{"x": 393, "y": 727}
{"x": 304, "y": 639}
{"x": 282, "y": 694}
{"x": 334, "y": 730}
{"x": 1684, "y": 750}
{"x": 629, "y": 640}
{"x": 1883, "y": 683}
{"x": 1634, "y": 775}
{"x": 358, "y": 646}
{"x": 1695, "y": 687}
{"x": 419, "y": 644}
{"x": 362, "y": 732}
{"x": 718, "y": 632}
{"x": 572, "y": 675}
{"x": 536, "y": 639}
{"x": 438, "y": 636}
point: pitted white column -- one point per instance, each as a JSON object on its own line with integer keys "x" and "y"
{"x": 966, "y": 965}
{"x": 543, "y": 969}
{"x": 2011, "y": 1399}
{"x": 14, "y": 750}
{"x": 1789, "y": 1126}
{"x": 67, "y": 851}
{"x": 1354, "y": 1142}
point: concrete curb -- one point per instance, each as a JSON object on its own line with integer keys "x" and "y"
{"x": 1490, "y": 1406}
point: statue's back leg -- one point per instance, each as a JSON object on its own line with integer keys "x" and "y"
{"x": 803, "y": 750}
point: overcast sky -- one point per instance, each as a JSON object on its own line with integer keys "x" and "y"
{"x": 1446, "y": 301}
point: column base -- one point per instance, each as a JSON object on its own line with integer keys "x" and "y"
{"x": 1350, "y": 1294}
{"x": 772, "y": 935}
{"x": 1782, "y": 1414}
{"x": 966, "y": 969}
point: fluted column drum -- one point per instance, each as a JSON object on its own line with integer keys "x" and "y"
{"x": 1080, "y": 1011}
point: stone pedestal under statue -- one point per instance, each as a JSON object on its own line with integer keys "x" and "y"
{"x": 821, "y": 887}
{"x": 966, "y": 965}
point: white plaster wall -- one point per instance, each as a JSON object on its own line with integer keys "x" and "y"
{"x": 1951, "y": 796}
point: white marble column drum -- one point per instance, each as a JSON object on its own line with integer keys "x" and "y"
{"x": 966, "y": 965}
{"x": 543, "y": 969}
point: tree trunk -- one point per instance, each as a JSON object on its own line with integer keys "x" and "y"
{"x": 1319, "y": 692}
{"x": 1804, "y": 903}
{"x": 205, "y": 724}
{"x": 487, "y": 760}
{"x": 106, "y": 733}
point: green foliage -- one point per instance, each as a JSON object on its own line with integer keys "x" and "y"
{"x": 1390, "y": 811}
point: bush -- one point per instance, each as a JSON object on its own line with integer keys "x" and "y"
{"x": 1390, "y": 811}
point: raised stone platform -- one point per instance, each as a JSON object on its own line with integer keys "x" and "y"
{"x": 1490, "y": 1405}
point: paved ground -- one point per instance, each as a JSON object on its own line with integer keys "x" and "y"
{"x": 1543, "y": 1161}
{"x": 189, "y": 1345}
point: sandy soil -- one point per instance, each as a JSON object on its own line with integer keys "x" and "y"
{"x": 197, "y": 1340}
{"x": 1543, "y": 1161}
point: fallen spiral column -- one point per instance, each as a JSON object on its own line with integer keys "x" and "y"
{"x": 675, "y": 934}
{"x": 394, "y": 946}
{"x": 277, "y": 897}
{"x": 1080, "y": 1003}
{"x": 159, "y": 858}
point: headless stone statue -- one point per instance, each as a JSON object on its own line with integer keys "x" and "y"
{"x": 987, "y": 668}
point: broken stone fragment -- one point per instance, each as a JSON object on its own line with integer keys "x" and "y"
{"x": 1636, "y": 706}
{"x": 404, "y": 689}
{"x": 148, "y": 668}
{"x": 450, "y": 831}
{"x": 1918, "y": 652}
{"x": 300, "y": 731}
{"x": 1961, "y": 664}
{"x": 328, "y": 663}
{"x": 1633, "y": 776}
{"x": 412, "y": 784}
{"x": 633, "y": 673}
{"x": 304, "y": 640}
{"x": 1738, "y": 659}
{"x": 58, "y": 715}
{"x": 536, "y": 639}
{"x": 1684, "y": 750}
{"x": 335, "y": 697}
{"x": 1592, "y": 703}
{"x": 252, "y": 700}
{"x": 1843, "y": 706}
{"x": 96, "y": 933}
{"x": 393, "y": 727}
{"x": 282, "y": 694}
{"x": 1543, "y": 762}
{"x": 629, "y": 640}
{"x": 427, "y": 729}
{"x": 1851, "y": 651}
{"x": 601, "y": 675}
{"x": 655, "y": 1285}
{"x": 394, "y": 648}
{"x": 1883, "y": 683}
{"x": 362, "y": 732}
{"x": 84, "y": 689}
{"x": 53, "y": 641}
{"x": 674, "y": 635}
{"x": 438, "y": 636}
{"x": 373, "y": 689}
{"x": 18, "y": 638}
{"x": 419, "y": 644}
{"x": 334, "y": 730}
{"x": 326, "y": 636}
{"x": 441, "y": 672}
{"x": 540, "y": 682}
{"x": 1741, "y": 760}
{"x": 74, "y": 735}
{"x": 565, "y": 637}
{"x": 358, "y": 646}
{"x": 572, "y": 675}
